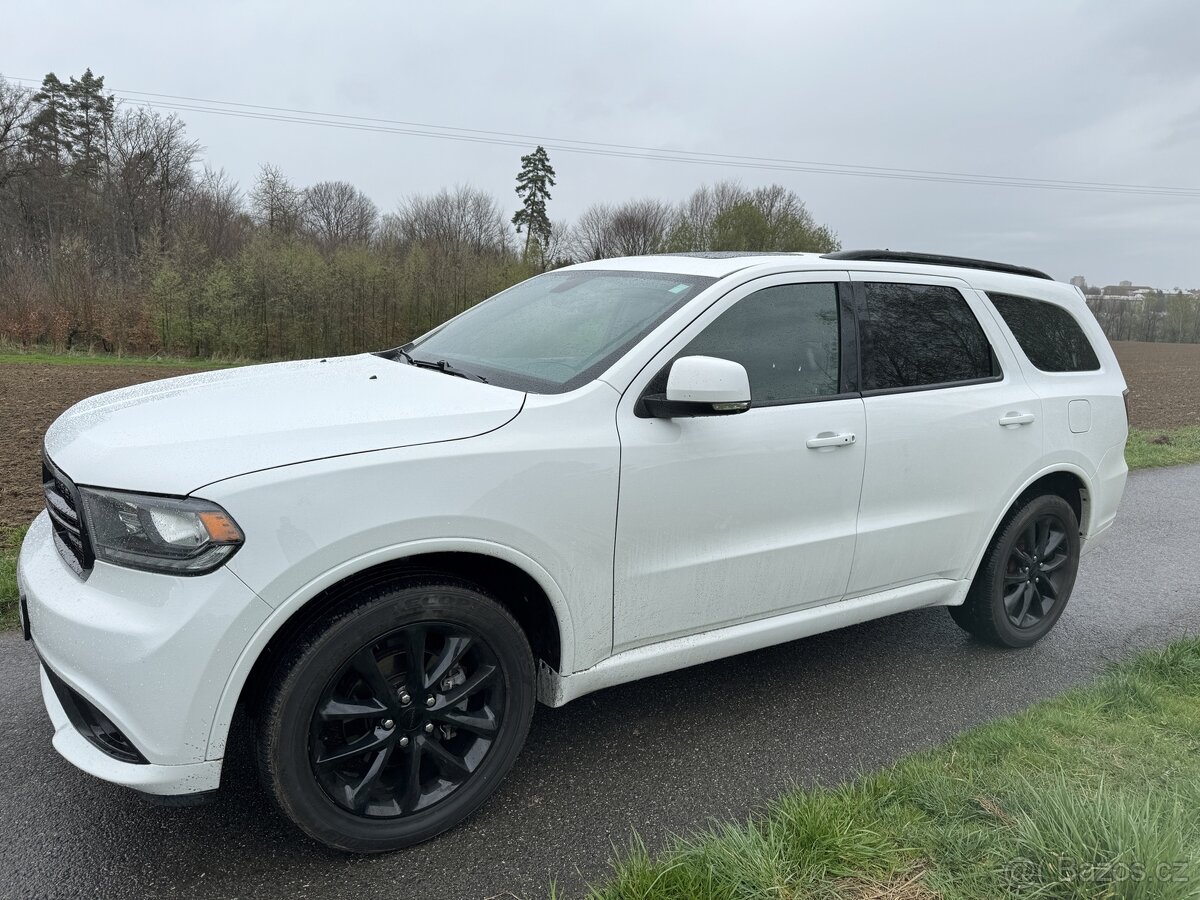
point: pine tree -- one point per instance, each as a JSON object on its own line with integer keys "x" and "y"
{"x": 49, "y": 131}
{"x": 89, "y": 122}
{"x": 533, "y": 187}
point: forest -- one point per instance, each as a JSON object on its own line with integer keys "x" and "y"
{"x": 114, "y": 238}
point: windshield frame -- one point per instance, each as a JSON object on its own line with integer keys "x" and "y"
{"x": 532, "y": 384}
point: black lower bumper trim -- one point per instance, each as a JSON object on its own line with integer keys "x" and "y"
{"x": 200, "y": 798}
{"x": 94, "y": 725}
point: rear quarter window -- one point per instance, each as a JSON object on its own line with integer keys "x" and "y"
{"x": 1048, "y": 334}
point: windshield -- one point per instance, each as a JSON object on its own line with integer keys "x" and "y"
{"x": 557, "y": 331}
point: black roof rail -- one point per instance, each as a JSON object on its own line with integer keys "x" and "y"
{"x": 727, "y": 254}
{"x": 934, "y": 259}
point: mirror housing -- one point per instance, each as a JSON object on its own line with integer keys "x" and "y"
{"x": 702, "y": 386}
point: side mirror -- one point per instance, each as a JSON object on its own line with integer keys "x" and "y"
{"x": 702, "y": 386}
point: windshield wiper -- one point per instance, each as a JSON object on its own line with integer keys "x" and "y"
{"x": 440, "y": 365}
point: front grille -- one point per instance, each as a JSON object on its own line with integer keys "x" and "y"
{"x": 94, "y": 725}
{"x": 64, "y": 506}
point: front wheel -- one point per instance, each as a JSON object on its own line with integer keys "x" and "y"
{"x": 397, "y": 718}
{"x": 1026, "y": 576}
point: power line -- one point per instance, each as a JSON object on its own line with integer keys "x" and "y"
{"x": 656, "y": 150}
{"x": 312, "y": 118}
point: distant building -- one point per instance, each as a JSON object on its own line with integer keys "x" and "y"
{"x": 1126, "y": 289}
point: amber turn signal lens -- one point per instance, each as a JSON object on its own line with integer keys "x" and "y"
{"x": 220, "y": 527}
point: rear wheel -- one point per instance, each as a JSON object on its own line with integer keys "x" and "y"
{"x": 397, "y": 718}
{"x": 1026, "y": 576}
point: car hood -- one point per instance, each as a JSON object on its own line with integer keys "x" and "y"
{"x": 176, "y": 435}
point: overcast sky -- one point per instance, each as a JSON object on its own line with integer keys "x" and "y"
{"x": 1086, "y": 91}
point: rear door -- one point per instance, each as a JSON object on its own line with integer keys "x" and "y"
{"x": 953, "y": 429}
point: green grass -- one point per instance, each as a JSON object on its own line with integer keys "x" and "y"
{"x": 10, "y": 541}
{"x": 1150, "y": 448}
{"x": 107, "y": 359}
{"x": 1095, "y": 794}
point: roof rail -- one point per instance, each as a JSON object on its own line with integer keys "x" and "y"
{"x": 934, "y": 259}
{"x": 728, "y": 254}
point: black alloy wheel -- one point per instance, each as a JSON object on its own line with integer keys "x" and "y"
{"x": 398, "y": 716}
{"x": 407, "y": 720}
{"x": 1027, "y": 574}
{"x": 1036, "y": 572}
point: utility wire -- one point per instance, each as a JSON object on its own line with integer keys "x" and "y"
{"x": 626, "y": 147}
{"x": 265, "y": 113}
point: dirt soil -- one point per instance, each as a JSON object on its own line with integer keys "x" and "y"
{"x": 32, "y": 395}
{"x": 1164, "y": 381}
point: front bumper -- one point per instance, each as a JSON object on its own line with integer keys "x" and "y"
{"x": 145, "y": 777}
{"x": 151, "y": 653}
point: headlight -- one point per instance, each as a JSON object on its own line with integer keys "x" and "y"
{"x": 159, "y": 534}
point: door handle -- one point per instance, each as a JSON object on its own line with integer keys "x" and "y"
{"x": 1013, "y": 418}
{"x": 825, "y": 439}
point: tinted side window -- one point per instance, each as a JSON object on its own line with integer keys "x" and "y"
{"x": 1048, "y": 334}
{"x": 785, "y": 336}
{"x": 916, "y": 334}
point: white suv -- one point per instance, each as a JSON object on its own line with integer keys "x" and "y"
{"x": 606, "y": 472}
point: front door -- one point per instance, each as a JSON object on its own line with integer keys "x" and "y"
{"x": 732, "y": 518}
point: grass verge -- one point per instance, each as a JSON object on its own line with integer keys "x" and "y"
{"x": 1093, "y": 794}
{"x": 10, "y": 542}
{"x": 101, "y": 359}
{"x": 1150, "y": 448}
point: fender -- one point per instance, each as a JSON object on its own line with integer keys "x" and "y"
{"x": 223, "y": 716}
{"x": 1051, "y": 469}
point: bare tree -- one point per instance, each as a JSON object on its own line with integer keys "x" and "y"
{"x": 16, "y": 107}
{"x": 465, "y": 218}
{"x": 154, "y": 164}
{"x": 275, "y": 201}
{"x": 336, "y": 213}
{"x": 640, "y": 226}
{"x": 215, "y": 211}
{"x": 558, "y": 249}
{"x": 593, "y": 232}
{"x": 629, "y": 229}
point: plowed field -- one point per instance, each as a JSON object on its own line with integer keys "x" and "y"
{"x": 1164, "y": 380}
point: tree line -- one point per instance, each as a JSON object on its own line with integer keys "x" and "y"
{"x": 113, "y": 237}
{"x": 1158, "y": 316}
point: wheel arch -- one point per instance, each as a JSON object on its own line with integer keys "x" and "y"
{"x": 1064, "y": 480}
{"x": 524, "y": 588}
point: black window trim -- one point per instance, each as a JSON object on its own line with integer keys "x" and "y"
{"x": 851, "y": 304}
{"x": 849, "y": 346}
{"x": 767, "y": 404}
{"x": 940, "y": 386}
{"x": 1016, "y": 340}
{"x": 858, "y": 287}
{"x": 849, "y": 361}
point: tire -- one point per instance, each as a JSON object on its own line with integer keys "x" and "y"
{"x": 366, "y": 753}
{"x": 1019, "y": 593}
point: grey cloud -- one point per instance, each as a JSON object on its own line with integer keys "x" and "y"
{"x": 1095, "y": 91}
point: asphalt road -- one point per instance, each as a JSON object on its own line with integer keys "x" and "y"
{"x": 661, "y": 757}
